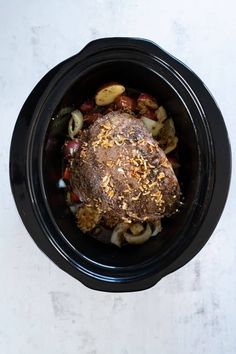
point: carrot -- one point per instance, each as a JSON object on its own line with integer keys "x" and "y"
{"x": 74, "y": 197}
{"x": 67, "y": 174}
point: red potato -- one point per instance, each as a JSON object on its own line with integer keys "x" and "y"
{"x": 148, "y": 113}
{"x": 108, "y": 93}
{"x": 70, "y": 147}
{"x": 109, "y": 108}
{"x": 125, "y": 103}
{"x": 145, "y": 100}
{"x": 174, "y": 162}
{"x": 87, "y": 106}
{"x": 91, "y": 117}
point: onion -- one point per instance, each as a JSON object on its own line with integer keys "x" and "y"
{"x": 157, "y": 228}
{"x": 139, "y": 239}
{"x": 117, "y": 237}
{"x": 136, "y": 228}
{"x": 75, "y": 123}
{"x": 64, "y": 111}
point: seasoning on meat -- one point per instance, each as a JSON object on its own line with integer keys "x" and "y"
{"x": 121, "y": 171}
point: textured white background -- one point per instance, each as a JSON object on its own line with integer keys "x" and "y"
{"x": 42, "y": 309}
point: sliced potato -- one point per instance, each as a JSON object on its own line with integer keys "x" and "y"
{"x": 169, "y": 128}
{"x": 171, "y": 146}
{"x": 146, "y": 100}
{"x": 161, "y": 114}
{"x": 107, "y": 94}
{"x": 152, "y": 126}
{"x": 139, "y": 239}
{"x": 136, "y": 228}
{"x": 166, "y": 138}
{"x": 148, "y": 113}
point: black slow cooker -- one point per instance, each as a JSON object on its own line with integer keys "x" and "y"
{"x": 35, "y": 164}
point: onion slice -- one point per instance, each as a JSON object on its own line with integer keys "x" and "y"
{"x": 117, "y": 237}
{"x": 156, "y": 228}
{"x": 75, "y": 123}
{"x": 139, "y": 239}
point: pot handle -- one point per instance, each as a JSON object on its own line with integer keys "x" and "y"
{"x": 135, "y": 43}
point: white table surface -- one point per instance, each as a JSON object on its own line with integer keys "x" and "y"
{"x": 44, "y": 310}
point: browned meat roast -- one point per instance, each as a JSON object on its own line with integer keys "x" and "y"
{"x": 121, "y": 172}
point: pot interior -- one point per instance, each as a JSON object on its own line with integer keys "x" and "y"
{"x": 135, "y": 76}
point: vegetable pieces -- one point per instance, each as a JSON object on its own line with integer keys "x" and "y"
{"x": 108, "y": 93}
{"x": 126, "y": 103}
{"x": 75, "y": 123}
{"x": 70, "y": 148}
{"x": 152, "y": 126}
{"x": 166, "y": 138}
{"x": 112, "y": 97}
{"x": 135, "y": 233}
{"x": 138, "y": 239}
{"x": 161, "y": 114}
{"x": 87, "y": 218}
{"x": 145, "y": 100}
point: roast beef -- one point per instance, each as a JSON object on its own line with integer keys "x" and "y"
{"x": 122, "y": 172}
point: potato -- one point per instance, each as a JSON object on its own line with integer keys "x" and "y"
{"x": 152, "y": 126}
{"x": 169, "y": 127}
{"x": 174, "y": 162}
{"x": 71, "y": 147}
{"x": 161, "y": 114}
{"x": 148, "y": 113}
{"x": 167, "y": 134}
{"x": 172, "y": 145}
{"x": 87, "y": 106}
{"x": 145, "y": 100}
{"x": 125, "y": 103}
{"x": 108, "y": 93}
{"x": 92, "y": 117}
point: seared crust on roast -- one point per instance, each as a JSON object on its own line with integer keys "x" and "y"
{"x": 122, "y": 172}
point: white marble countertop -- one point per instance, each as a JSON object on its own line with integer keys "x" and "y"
{"x": 42, "y": 309}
